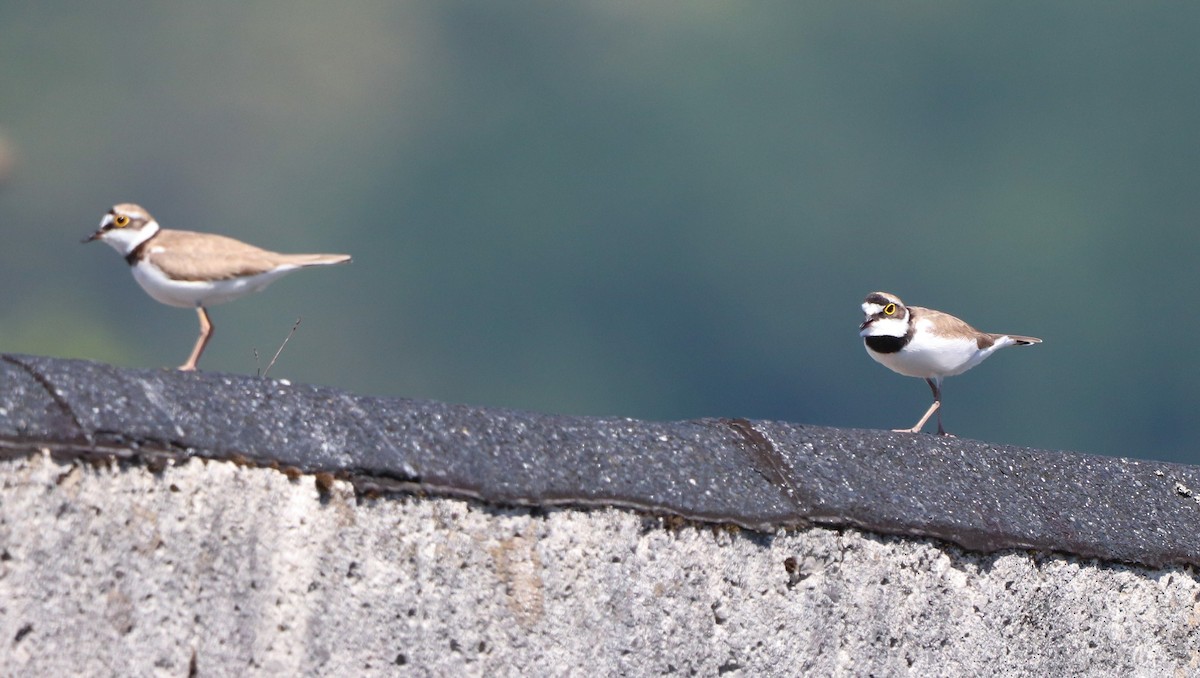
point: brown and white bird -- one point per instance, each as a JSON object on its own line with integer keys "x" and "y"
{"x": 195, "y": 270}
{"x": 922, "y": 342}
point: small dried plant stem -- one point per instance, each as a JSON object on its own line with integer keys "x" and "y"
{"x": 285, "y": 341}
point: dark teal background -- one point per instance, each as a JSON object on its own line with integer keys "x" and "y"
{"x": 651, "y": 209}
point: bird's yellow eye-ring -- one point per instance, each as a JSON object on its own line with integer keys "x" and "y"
{"x": 121, "y": 220}
{"x": 890, "y": 309}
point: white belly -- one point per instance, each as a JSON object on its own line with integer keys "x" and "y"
{"x": 931, "y": 356}
{"x": 192, "y": 293}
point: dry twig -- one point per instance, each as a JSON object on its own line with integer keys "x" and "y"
{"x": 286, "y": 339}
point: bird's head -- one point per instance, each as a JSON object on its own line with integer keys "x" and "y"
{"x": 125, "y": 227}
{"x": 886, "y": 316}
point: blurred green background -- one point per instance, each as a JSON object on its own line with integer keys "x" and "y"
{"x": 649, "y": 209}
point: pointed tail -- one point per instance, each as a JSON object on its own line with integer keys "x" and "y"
{"x": 317, "y": 259}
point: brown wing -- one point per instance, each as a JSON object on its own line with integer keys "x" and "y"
{"x": 187, "y": 255}
{"x": 947, "y": 325}
{"x": 943, "y": 323}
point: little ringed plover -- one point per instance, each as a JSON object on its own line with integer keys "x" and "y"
{"x": 196, "y": 270}
{"x": 922, "y": 342}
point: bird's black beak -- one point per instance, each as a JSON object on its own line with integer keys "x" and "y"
{"x": 864, "y": 324}
{"x": 105, "y": 224}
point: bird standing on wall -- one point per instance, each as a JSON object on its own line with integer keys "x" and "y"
{"x": 922, "y": 342}
{"x": 195, "y": 270}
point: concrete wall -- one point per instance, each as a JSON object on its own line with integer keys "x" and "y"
{"x": 210, "y": 568}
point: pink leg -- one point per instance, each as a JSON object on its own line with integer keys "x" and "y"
{"x": 935, "y": 407}
{"x": 206, "y": 331}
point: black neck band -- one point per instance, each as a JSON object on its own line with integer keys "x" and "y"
{"x": 886, "y": 344}
{"x": 136, "y": 253}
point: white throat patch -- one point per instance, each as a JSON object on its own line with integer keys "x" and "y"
{"x": 125, "y": 240}
{"x": 894, "y": 326}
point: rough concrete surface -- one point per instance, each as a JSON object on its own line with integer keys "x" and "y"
{"x": 211, "y": 568}
{"x": 757, "y": 474}
{"x": 159, "y": 523}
